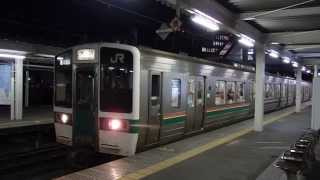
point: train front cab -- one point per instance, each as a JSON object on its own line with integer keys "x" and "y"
{"x": 97, "y": 97}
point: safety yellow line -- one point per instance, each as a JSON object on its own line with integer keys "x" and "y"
{"x": 142, "y": 173}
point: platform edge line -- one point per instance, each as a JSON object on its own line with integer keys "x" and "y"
{"x": 147, "y": 171}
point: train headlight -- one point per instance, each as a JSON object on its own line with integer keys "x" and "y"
{"x": 64, "y": 118}
{"x": 115, "y": 124}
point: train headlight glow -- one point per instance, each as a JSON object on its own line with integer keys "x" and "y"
{"x": 86, "y": 54}
{"x": 115, "y": 124}
{"x": 64, "y": 118}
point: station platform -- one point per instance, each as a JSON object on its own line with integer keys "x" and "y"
{"x": 31, "y": 117}
{"x": 233, "y": 152}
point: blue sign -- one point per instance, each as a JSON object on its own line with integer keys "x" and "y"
{"x": 5, "y": 84}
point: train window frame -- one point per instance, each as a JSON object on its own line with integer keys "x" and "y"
{"x": 63, "y": 65}
{"x": 116, "y": 80}
{"x": 223, "y": 97}
{"x": 175, "y": 100}
{"x": 233, "y": 88}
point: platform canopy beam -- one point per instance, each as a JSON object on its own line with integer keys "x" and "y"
{"x": 281, "y": 13}
{"x": 303, "y": 38}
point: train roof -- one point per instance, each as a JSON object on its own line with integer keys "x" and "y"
{"x": 147, "y": 50}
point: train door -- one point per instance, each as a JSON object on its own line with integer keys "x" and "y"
{"x": 85, "y": 107}
{"x": 195, "y": 104}
{"x": 154, "y": 115}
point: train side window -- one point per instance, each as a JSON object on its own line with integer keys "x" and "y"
{"x": 269, "y": 91}
{"x": 277, "y": 90}
{"x": 176, "y": 93}
{"x": 240, "y": 92}
{"x": 155, "y": 89}
{"x": 231, "y": 92}
{"x": 284, "y": 90}
{"x": 220, "y": 93}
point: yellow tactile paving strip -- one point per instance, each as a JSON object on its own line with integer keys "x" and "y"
{"x": 196, "y": 151}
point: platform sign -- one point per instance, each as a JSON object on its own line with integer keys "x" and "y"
{"x": 5, "y": 84}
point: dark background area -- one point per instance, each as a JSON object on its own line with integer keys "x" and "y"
{"x": 64, "y": 23}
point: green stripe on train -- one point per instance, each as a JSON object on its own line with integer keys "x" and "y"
{"x": 217, "y": 114}
{"x": 172, "y": 121}
{"x": 134, "y": 126}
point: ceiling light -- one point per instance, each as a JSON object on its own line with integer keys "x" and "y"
{"x": 303, "y": 68}
{"x": 205, "y": 15}
{"x": 274, "y": 54}
{"x": 247, "y": 41}
{"x": 12, "y": 56}
{"x": 250, "y": 52}
{"x": 308, "y": 71}
{"x": 295, "y": 64}
{"x": 203, "y": 21}
{"x": 286, "y": 60}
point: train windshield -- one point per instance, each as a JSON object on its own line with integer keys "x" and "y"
{"x": 63, "y": 80}
{"x": 116, "y": 80}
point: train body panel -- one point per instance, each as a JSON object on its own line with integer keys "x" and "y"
{"x": 147, "y": 97}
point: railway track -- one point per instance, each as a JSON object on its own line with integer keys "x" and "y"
{"x": 11, "y": 162}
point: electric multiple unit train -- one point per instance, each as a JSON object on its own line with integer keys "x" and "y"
{"x": 120, "y": 99}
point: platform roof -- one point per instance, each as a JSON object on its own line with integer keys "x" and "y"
{"x": 292, "y": 23}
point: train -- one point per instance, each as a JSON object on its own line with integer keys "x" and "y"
{"x": 121, "y": 99}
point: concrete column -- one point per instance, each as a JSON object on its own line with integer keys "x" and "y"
{"x": 315, "y": 115}
{"x": 259, "y": 87}
{"x": 315, "y": 71}
{"x": 298, "y": 90}
{"x": 18, "y": 88}
{"x": 26, "y": 89}
{"x": 12, "y": 93}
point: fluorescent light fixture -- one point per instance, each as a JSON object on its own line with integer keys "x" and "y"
{"x": 85, "y": 54}
{"x": 295, "y": 64}
{"x": 308, "y": 71}
{"x": 205, "y": 15}
{"x": 250, "y": 52}
{"x": 12, "y": 56}
{"x": 275, "y": 43}
{"x": 303, "y": 68}
{"x": 246, "y": 40}
{"x": 203, "y": 21}
{"x": 274, "y": 54}
{"x": 235, "y": 65}
{"x": 286, "y": 60}
{"x": 318, "y": 74}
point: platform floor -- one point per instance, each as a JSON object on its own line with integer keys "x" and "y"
{"x": 31, "y": 116}
{"x": 233, "y": 152}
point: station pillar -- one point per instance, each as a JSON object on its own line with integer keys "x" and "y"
{"x": 259, "y": 87}
{"x": 298, "y": 89}
{"x": 18, "y": 90}
{"x": 315, "y": 114}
